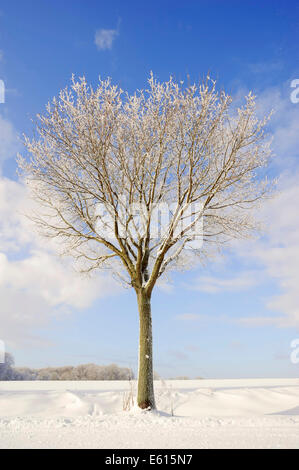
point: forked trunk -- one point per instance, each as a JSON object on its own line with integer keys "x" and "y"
{"x": 145, "y": 395}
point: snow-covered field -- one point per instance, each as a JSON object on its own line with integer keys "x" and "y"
{"x": 252, "y": 413}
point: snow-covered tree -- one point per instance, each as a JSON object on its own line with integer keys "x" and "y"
{"x": 125, "y": 181}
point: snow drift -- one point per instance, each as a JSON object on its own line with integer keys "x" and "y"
{"x": 191, "y": 414}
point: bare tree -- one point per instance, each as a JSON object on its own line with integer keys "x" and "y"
{"x": 124, "y": 182}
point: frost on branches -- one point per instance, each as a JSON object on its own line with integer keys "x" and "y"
{"x": 123, "y": 181}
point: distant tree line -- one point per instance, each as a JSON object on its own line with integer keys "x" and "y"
{"x": 81, "y": 372}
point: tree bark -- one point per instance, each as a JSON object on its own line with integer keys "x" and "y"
{"x": 145, "y": 395}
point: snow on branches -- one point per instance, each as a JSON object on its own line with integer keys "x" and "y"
{"x": 145, "y": 183}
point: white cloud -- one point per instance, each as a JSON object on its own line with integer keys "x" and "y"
{"x": 104, "y": 38}
{"x": 276, "y": 260}
{"x": 35, "y": 285}
{"x": 258, "y": 321}
{"x": 278, "y": 255}
{"x": 204, "y": 318}
{"x": 193, "y": 317}
{"x": 213, "y": 285}
{"x": 55, "y": 282}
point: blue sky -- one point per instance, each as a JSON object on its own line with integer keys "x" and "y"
{"x": 237, "y": 316}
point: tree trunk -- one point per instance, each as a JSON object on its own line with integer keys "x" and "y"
{"x": 145, "y": 395}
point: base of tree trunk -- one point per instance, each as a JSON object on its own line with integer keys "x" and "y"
{"x": 146, "y": 405}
